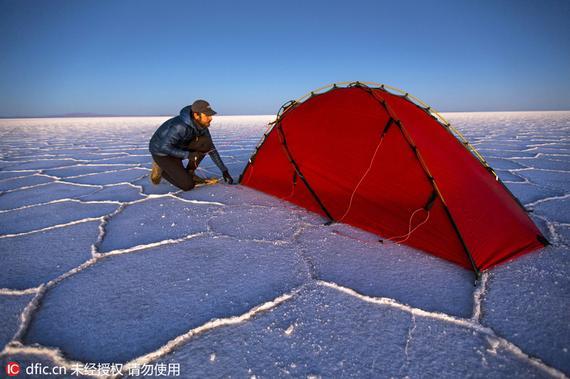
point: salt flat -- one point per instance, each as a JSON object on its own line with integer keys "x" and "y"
{"x": 98, "y": 265}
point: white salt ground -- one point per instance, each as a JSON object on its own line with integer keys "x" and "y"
{"x": 98, "y": 265}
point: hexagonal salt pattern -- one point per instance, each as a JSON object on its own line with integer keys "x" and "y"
{"x": 11, "y": 306}
{"x": 40, "y": 257}
{"x": 319, "y": 333}
{"x": 527, "y": 303}
{"x": 44, "y": 194}
{"x": 138, "y": 302}
{"x": 155, "y": 220}
{"x": 99, "y": 265}
{"x": 51, "y": 215}
{"x": 375, "y": 269}
{"x": 12, "y": 184}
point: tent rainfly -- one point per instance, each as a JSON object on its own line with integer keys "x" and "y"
{"x": 377, "y": 158}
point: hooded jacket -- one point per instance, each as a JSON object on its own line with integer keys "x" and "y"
{"x": 174, "y": 135}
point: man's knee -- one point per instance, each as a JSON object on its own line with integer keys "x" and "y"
{"x": 187, "y": 185}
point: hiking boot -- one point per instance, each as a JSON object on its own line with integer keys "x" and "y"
{"x": 155, "y": 173}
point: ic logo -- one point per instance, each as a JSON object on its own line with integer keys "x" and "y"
{"x": 12, "y": 369}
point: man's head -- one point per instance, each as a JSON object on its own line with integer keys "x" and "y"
{"x": 202, "y": 113}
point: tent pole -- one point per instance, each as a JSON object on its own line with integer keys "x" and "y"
{"x": 467, "y": 252}
{"x": 430, "y": 178}
{"x": 300, "y": 174}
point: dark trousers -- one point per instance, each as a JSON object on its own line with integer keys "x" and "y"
{"x": 174, "y": 171}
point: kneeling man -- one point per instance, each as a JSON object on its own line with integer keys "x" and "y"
{"x": 185, "y": 136}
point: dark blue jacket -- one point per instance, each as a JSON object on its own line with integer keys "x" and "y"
{"x": 174, "y": 135}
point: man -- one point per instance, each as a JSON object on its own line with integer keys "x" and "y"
{"x": 185, "y": 137}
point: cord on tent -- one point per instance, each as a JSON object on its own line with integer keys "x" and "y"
{"x": 292, "y": 187}
{"x": 410, "y": 230}
{"x": 362, "y": 179}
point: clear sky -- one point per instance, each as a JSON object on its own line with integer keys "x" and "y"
{"x": 248, "y": 57}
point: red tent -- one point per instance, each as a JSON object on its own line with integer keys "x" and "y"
{"x": 389, "y": 164}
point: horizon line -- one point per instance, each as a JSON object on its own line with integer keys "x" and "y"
{"x": 95, "y": 115}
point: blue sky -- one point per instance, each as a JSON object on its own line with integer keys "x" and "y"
{"x": 249, "y": 57}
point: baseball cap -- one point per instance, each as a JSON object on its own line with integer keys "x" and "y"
{"x": 202, "y": 106}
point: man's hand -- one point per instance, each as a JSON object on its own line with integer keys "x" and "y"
{"x": 227, "y": 177}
